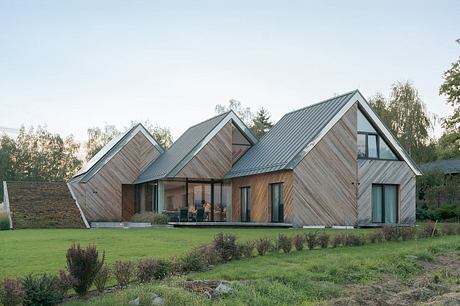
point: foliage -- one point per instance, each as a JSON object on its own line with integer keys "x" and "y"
{"x": 102, "y": 277}
{"x": 323, "y": 240}
{"x": 11, "y": 292}
{"x": 83, "y": 265}
{"x": 41, "y": 290}
{"x": 248, "y": 248}
{"x": 161, "y": 134}
{"x": 438, "y": 196}
{"x": 450, "y": 229}
{"x": 150, "y": 217}
{"x": 263, "y": 245}
{"x": 261, "y": 123}
{"x": 4, "y": 221}
{"x": 338, "y": 240}
{"x": 390, "y": 232}
{"x": 146, "y": 270}
{"x": 312, "y": 240}
{"x": 407, "y": 233}
{"x": 65, "y": 282}
{"x": 210, "y": 254}
{"x": 244, "y": 113}
{"x": 353, "y": 240}
{"x": 98, "y": 138}
{"x": 194, "y": 261}
{"x": 123, "y": 272}
{"x": 429, "y": 230}
{"x": 285, "y": 243}
{"x": 298, "y": 241}
{"x": 225, "y": 246}
{"x": 376, "y": 236}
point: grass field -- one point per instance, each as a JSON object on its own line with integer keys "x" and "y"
{"x": 26, "y": 251}
{"x": 301, "y": 278}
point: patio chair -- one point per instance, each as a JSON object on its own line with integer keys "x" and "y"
{"x": 183, "y": 215}
{"x": 199, "y": 215}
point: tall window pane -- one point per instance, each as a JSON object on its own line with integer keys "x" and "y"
{"x": 363, "y": 124}
{"x": 377, "y": 213}
{"x": 361, "y": 145}
{"x": 390, "y": 197}
{"x": 277, "y": 202}
{"x": 385, "y": 151}
{"x": 372, "y": 146}
{"x": 245, "y": 204}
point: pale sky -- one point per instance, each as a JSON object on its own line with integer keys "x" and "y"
{"x": 76, "y": 64}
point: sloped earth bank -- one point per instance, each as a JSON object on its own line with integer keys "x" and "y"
{"x": 438, "y": 284}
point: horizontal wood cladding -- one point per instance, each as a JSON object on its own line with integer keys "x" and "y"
{"x": 386, "y": 172}
{"x": 324, "y": 188}
{"x": 214, "y": 160}
{"x": 260, "y": 195}
{"x": 101, "y": 197}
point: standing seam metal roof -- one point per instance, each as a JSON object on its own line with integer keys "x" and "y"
{"x": 286, "y": 140}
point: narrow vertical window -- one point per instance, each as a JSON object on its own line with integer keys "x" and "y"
{"x": 384, "y": 203}
{"x": 277, "y": 202}
{"x": 245, "y": 204}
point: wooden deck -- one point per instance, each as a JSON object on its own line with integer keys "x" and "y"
{"x": 231, "y": 224}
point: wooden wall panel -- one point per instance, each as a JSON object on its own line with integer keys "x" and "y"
{"x": 386, "y": 172}
{"x": 260, "y": 195}
{"x": 127, "y": 202}
{"x": 103, "y": 192}
{"x": 214, "y": 160}
{"x": 324, "y": 182}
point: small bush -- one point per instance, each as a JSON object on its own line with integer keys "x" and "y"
{"x": 338, "y": 240}
{"x": 150, "y": 217}
{"x": 149, "y": 269}
{"x": 248, "y": 249}
{"x": 4, "y": 221}
{"x": 323, "y": 240}
{"x": 41, "y": 290}
{"x": 429, "y": 230}
{"x": 263, "y": 245}
{"x": 123, "y": 272}
{"x": 210, "y": 254}
{"x": 194, "y": 261}
{"x": 11, "y": 292}
{"x": 354, "y": 240}
{"x": 177, "y": 265}
{"x": 225, "y": 246}
{"x": 83, "y": 265}
{"x": 390, "y": 232}
{"x": 298, "y": 241}
{"x": 285, "y": 243}
{"x": 450, "y": 229}
{"x": 376, "y": 236}
{"x": 163, "y": 269}
{"x": 312, "y": 240}
{"x": 101, "y": 278}
{"x": 65, "y": 282}
{"x": 407, "y": 233}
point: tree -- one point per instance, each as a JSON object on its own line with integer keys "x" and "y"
{"x": 261, "y": 123}
{"x": 243, "y": 112}
{"x": 450, "y": 140}
{"x": 161, "y": 134}
{"x": 380, "y": 105}
{"x": 98, "y": 138}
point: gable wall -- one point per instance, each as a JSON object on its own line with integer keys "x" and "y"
{"x": 324, "y": 182}
{"x": 101, "y": 197}
{"x": 214, "y": 160}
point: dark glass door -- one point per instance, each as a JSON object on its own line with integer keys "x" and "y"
{"x": 277, "y": 202}
{"x": 245, "y": 204}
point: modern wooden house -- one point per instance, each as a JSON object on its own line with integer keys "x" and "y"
{"x": 331, "y": 163}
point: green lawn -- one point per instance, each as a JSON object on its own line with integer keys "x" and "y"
{"x": 299, "y": 278}
{"x": 25, "y": 251}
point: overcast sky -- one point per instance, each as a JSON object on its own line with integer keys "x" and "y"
{"x": 75, "y": 64}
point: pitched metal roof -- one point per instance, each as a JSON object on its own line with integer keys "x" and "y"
{"x": 446, "y": 166}
{"x": 297, "y": 132}
{"x": 189, "y": 144}
{"x": 110, "y": 149}
{"x": 284, "y": 143}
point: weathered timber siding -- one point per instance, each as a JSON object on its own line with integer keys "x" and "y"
{"x": 101, "y": 197}
{"x": 324, "y": 182}
{"x": 260, "y": 195}
{"x": 214, "y": 160}
{"x": 386, "y": 172}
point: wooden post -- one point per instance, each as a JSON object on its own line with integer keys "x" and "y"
{"x": 212, "y": 200}
{"x": 186, "y": 192}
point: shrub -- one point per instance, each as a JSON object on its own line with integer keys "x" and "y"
{"x": 429, "y": 230}
{"x": 163, "y": 269}
{"x": 149, "y": 269}
{"x": 123, "y": 272}
{"x": 312, "y": 240}
{"x": 285, "y": 243}
{"x": 390, "y": 232}
{"x": 11, "y": 292}
{"x": 83, "y": 265}
{"x": 194, "y": 261}
{"x": 210, "y": 254}
{"x": 263, "y": 245}
{"x": 450, "y": 229}
{"x": 150, "y": 217}
{"x": 102, "y": 277}
{"x": 225, "y": 246}
{"x": 248, "y": 249}
{"x": 323, "y": 240}
{"x": 65, "y": 282}
{"x": 338, "y": 240}
{"x": 407, "y": 233}
{"x": 41, "y": 290}
{"x": 353, "y": 240}
{"x": 177, "y": 265}
{"x": 298, "y": 241}
{"x": 376, "y": 236}
{"x": 4, "y": 221}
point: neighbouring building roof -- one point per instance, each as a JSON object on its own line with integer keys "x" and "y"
{"x": 446, "y": 166}
{"x": 112, "y": 148}
{"x": 297, "y": 132}
{"x": 189, "y": 144}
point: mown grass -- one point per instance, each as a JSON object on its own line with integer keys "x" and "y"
{"x": 299, "y": 278}
{"x": 43, "y": 250}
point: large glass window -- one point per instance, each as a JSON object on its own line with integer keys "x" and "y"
{"x": 277, "y": 202}
{"x": 384, "y": 203}
{"x": 245, "y": 204}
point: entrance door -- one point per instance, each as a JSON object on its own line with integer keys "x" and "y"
{"x": 384, "y": 203}
{"x": 128, "y": 206}
{"x": 277, "y": 202}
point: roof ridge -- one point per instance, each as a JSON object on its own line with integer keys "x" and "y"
{"x": 209, "y": 119}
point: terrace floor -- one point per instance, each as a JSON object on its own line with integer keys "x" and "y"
{"x": 231, "y": 224}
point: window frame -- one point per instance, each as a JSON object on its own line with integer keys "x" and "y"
{"x": 280, "y": 204}
{"x": 383, "y": 203}
{"x": 247, "y": 191}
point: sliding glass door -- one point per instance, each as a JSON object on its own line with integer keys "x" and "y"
{"x": 277, "y": 202}
{"x": 384, "y": 203}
